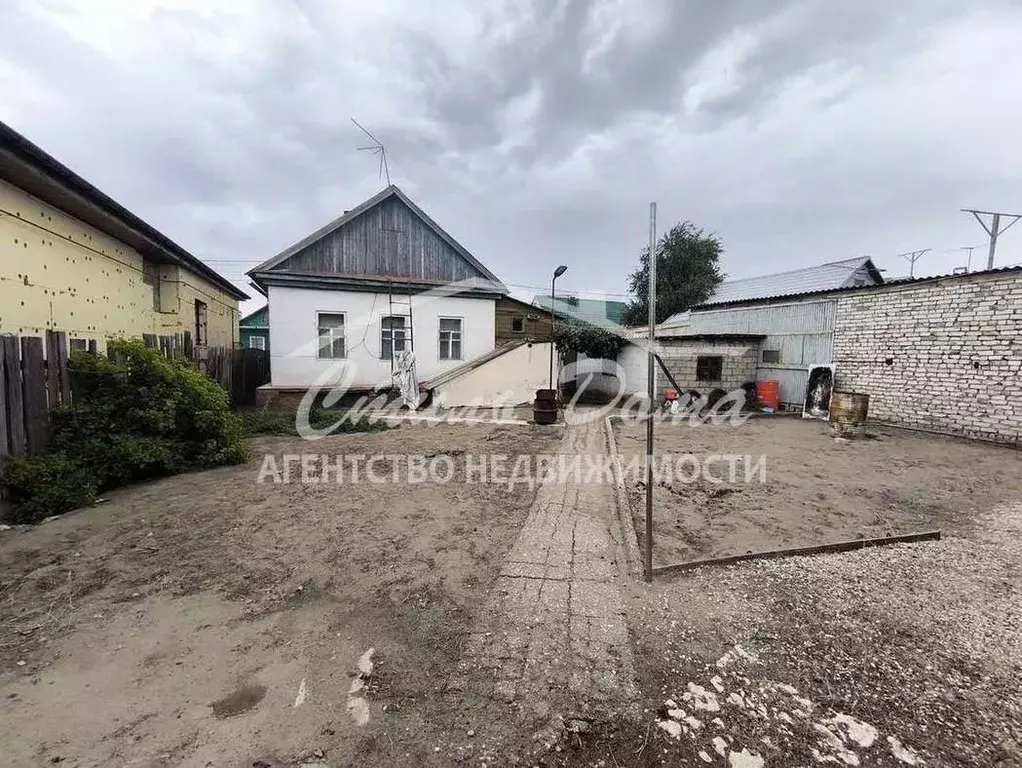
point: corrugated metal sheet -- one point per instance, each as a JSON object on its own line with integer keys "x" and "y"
{"x": 803, "y": 333}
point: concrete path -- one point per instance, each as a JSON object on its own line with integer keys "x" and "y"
{"x": 555, "y": 642}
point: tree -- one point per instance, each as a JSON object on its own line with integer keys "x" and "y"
{"x": 687, "y": 273}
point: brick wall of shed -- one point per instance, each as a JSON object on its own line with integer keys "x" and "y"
{"x": 944, "y": 356}
{"x": 737, "y": 367}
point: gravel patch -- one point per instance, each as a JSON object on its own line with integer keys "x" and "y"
{"x": 899, "y": 655}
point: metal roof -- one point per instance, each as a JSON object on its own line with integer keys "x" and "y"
{"x": 850, "y": 288}
{"x": 585, "y": 309}
{"x": 31, "y": 169}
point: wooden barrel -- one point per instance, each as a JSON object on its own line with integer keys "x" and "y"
{"x": 544, "y": 408}
{"x": 768, "y": 392}
{"x": 848, "y": 414}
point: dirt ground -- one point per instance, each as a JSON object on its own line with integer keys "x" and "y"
{"x": 816, "y": 490}
{"x": 208, "y": 619}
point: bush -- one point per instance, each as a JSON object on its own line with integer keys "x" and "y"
{"x": 136, "y": 415}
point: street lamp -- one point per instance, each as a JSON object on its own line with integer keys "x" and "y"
{"x": 557, "y": 273}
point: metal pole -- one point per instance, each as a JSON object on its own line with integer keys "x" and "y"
{"x": 996, "y": 225}
{"x": 648, "y": 554}
{"x": 552, "y": 322}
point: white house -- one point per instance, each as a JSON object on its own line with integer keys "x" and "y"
{"x": 382, "y": 278}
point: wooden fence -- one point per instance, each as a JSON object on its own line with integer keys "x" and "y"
{"x": 34, "y": 378}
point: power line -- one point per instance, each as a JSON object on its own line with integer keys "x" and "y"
{"x": 995, "y": 229}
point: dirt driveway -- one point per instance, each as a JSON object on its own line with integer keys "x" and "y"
{"x": 208, "y": 619}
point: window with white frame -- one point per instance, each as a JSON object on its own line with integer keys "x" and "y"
{"x": 392, "y": 336}
{"x": 331, "y": 336}
{"x": 450, "y": 338}
{"x": 257, "y": 342}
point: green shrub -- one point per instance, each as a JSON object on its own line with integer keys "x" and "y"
{"x": 136, "y": 415}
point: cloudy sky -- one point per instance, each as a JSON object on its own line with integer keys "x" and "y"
{"x": 537, "y": 133}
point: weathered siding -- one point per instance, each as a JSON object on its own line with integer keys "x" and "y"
{"x": 388, "y": 240}
{"x": 801, "y": 331}
{"x": 944, "y": 356}
{"x": 58, "y": 273}
{"x": 535, "y": 322}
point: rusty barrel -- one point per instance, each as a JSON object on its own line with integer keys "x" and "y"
{"x": 848, "y": 413}
{"x": 544, "y": 408}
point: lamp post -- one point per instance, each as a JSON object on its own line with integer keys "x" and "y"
{"x": 557, "y": 273}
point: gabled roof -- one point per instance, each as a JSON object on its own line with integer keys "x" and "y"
{"x": 597, "y": 310}
{"x": 277, "y": 262}
{"x": 258, "y": 319}
{"x": 29, "y": 168}
{"x": 821, "y": 277}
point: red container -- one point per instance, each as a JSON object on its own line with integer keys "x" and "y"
{"x": 768, "y": 393}
{"x": 670, "y": 394}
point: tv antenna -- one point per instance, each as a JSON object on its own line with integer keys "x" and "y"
{"x": 913, "y": 257}
{"x": 376, "y": 148}
{"x": 995, "y": 229}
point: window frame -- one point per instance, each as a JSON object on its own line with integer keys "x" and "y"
{"x": 260, "y": 338}
{"x": 440, "y": 339}
{"x": 201, "y": 323}
{"x": 520, "y": 321}
{"x": 701, "y": 375}
{"x": 763, "y": 354}
{"x": 385, "y": 332}
{"x": 333, "y": 339}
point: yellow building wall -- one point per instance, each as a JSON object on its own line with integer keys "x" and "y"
{"x": 59, "y": 273}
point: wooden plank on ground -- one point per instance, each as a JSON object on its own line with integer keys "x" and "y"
{"x": 63, "y": 372}
{"x": 33, "y": 382}
{"x": 15, "y": 402}
{"x": 817, "y": 549}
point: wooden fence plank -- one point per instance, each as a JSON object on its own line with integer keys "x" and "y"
{"x": 5, "y": 432}
{"x": 63, "y": 374}
{"x": 33, "y": 380}
{"x": 15, "y": 403}
{"x": 52, "y": 370}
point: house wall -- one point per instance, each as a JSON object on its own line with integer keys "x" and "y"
{"x": 536, "y": 322}
{"x": 59, "y": 273}
{"x": 510, "y": 379}
{"x": 802, "y": 331}
{"x": 944, "y": 356}
{"x": 293, "y": 335}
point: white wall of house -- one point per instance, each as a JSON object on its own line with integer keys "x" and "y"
{"x": 294, "y": 343}
{"x": 510, "y": 379}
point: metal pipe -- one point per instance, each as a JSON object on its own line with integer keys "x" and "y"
{"x": 651, "y": 362}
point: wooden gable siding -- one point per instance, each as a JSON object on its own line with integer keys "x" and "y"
{"x": 535, "y": 321}
{"x": 388, "y": 240}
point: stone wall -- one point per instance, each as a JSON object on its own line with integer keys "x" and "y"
{"x": 943, "y": 355}
{"x": 738, "y": 364}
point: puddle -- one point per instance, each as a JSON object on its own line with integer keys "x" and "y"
{"x": 242, "y": 700}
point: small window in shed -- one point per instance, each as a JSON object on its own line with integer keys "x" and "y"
{"x": 517, "y": 325}
{"x": 709, "y": 367}
{"x": 772, "y": 356}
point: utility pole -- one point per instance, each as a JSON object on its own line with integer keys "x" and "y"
{"x": 648, "y": 554}
{"x": 995, "y": 229}
{"x": 913, "y": 257}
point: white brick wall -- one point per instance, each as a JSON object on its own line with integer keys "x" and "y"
{"x": 944, "y": 356}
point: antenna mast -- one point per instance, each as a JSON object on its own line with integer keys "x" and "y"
{"x": 376, "y": 148}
